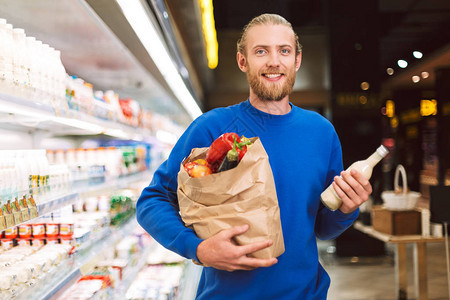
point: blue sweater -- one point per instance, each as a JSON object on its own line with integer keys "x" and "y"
{"x": 304, "y": 154}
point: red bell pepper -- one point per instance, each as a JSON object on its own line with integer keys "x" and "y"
{"x": 220, "y": 147}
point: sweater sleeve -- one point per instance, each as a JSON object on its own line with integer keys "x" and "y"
{"x": 157, "y": 208}
{"x": 330, "y": 224}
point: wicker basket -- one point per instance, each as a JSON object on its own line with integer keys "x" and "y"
{"x": 403, "y": 201}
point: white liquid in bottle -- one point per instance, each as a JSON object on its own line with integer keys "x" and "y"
{"x": 329, "y": 197}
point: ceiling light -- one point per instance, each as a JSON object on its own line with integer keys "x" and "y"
{"x": 416, "y": 79}
{"x": 390, "y": 71}
{"x": 402, "y": 63}
{"x": 390, "y": 108}
{"x": 209, "y": 32}
{"x": 136, "y": 15}
{"x": 365, "y": 86}
{"x": 428, "y": 107}
{"x": 417, "y": 54}
{"x": 425, "y": 75}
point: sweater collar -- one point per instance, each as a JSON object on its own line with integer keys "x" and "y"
{"x": 270, "y": 118}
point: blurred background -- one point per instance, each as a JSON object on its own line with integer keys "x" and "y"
{"x": 379, "y": 70}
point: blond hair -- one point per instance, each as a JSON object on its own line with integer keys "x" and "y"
{"x": 266, "y": 19}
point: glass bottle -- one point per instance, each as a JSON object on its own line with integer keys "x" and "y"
{"x": 329, "y": 197}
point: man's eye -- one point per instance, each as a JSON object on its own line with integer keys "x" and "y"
{"x": 285, "y": 51}
{"x": 260, "y": 51}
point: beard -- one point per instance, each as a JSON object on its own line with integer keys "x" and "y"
{"x": 271, "y": 91}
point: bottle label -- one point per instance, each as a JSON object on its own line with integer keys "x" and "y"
{"x": 9, "y": 220}
{"x": 2, "y": 223}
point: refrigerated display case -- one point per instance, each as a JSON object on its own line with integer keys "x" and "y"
{"x": 102, "y": 127}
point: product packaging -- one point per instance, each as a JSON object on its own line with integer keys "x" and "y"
{"x": 245, "y": 194}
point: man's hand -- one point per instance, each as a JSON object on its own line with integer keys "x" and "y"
{"x": 220, "y": 252}
{"x": 353, "y": 189}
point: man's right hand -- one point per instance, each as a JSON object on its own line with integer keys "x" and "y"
{"x": 220, "y": 252}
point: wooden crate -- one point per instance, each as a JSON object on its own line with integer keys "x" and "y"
{"x": 396, "y": 222}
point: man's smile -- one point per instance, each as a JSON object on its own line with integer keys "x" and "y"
{"x": 273, "y": 75}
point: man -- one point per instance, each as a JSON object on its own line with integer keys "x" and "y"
{"x": 305, "y": 156}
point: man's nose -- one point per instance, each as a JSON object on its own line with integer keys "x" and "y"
{"x": 273, "y": 60}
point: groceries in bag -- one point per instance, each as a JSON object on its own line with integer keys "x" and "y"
{"x": 245, "y": 194}
{"x": 224, "y": 154}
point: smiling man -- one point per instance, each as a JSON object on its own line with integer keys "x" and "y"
{"x": 305, "y": 156}
{"x": 271, "y": 56}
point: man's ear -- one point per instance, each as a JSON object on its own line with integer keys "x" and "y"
{"x": 242, "y": 61}
{"x": 298, "y": 62}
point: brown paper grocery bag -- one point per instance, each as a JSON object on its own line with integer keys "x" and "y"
{"x": 245, "y": 194}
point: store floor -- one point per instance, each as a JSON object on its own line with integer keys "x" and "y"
{"x": 373, "y": 278}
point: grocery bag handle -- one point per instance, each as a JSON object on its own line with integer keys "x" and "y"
{"x": 400, "y": 169}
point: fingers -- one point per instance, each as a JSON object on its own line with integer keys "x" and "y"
{"x": 220, "y": 252}
{"x": 353, "y": 188}
{"x": 252, "y": 263}
{"x": 233, "y": 231}
{"x": 363, "y": 182}
{"x": 253, "y": 247}
{"x": 249, "y": 248}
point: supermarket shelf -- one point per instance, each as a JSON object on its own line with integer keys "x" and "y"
{"x": 56, "y": 203}
{"x": 130, "y": 275}
{"x": 118, "y": 183}
{"x": 59, "y": 201}
{"x": 21, "y": 114}
{"x": 56, "y": 284}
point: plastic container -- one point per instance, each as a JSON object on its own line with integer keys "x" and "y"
{"x": 25, "y": 231}
{"x": 23, "y": 242}
{"x": 7, "y": 243}
{"x": 37, "y": 242}
{"x": 11, "y": 233}
{"x": 38, "y": 230}
{"x": 51, "y": 230}
{"x": 66, "y": 230}
{"x": 52, "y": 240}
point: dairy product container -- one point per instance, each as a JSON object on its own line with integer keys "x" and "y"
{"x": 25, "y": 231}
{"x": 52, "y": 229}
{"x": 19, "y": 61}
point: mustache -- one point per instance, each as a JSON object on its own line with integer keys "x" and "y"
{"x": 272, "y": 70}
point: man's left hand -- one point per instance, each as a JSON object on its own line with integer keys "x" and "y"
{"x": 353, "y": 189}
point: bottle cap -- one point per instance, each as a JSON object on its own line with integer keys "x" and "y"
{"x": 382, "y": 150}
